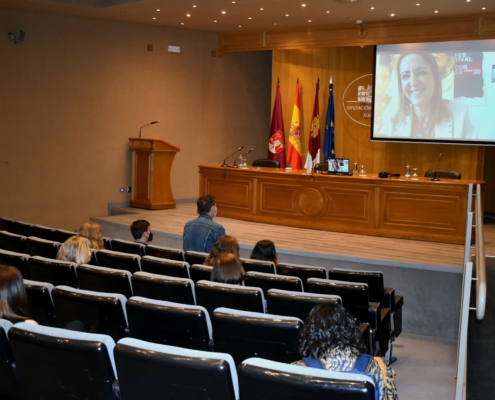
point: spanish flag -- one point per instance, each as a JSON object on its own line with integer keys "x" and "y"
{"x": 294, "y": 153}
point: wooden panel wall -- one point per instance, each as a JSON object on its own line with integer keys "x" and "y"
{"x": 352, "y": 139}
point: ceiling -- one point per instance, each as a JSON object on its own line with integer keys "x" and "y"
{"x": 248, "y": 15}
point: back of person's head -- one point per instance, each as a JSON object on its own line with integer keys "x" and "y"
{"x": 265, "y": 250}
{"x": 139, "y": 227}
{"x": 75, "y": 249}
{"x": 226, "y": 244}
{"x": 328, "y": 325}
{"x": 13, "y": 300}
{"x": 205, "y": 203}
{"x": 92, "y": 232}
{"x": 227, "y": 268}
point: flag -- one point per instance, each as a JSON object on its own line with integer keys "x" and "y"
{"x": 314, "y": 134}
{"x": 329, "y": 139}
{"x": 276, "y": 142}
{"x": 294, "y": 153}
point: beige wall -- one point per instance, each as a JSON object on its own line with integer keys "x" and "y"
{"x": 72, "y": 94}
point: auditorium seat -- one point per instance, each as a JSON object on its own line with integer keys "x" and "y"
{"x": 94, "y": 258}
{"x": 42, "y": 247}
{"x": 261, "y": 379}
{"x": 44, "y": 232}
{"x": 443, "y": 173}
{"x": 103, "y": 279}
{"x": 7, "y": 224}
{"x": 301, "y": 271}
{"x": 40, "y": 303}
{"x": 165, "y": 252}
{"x": 157, "y": 371}
{"x": 23, "y": 228}
{"x": 244, "y": 334}
{"x": 17, "y": 260}
{"x": 258, "y": 265}
{"x": 174, "y": 324}
{"x": 295, "y": 304}
{"x": 199, "y": 272}
{"x": 100, "y": 312}
{"x": 56, "y": 272}
{"x": 263, "y": 162}
{"x": 118, "y": 260}
{"x": 107, "y": 242}
{"x": 195, "y": 257}
{"x": 126, "y": 246}
{"x": 161, "y": 287}
{"x": 56, "y": 363}
{"x": 13, "y": 242}
{"x": 272, "y": 281}
{"x": 163, "y": 266}
{"x": 212, "y": 295}
{"x": 9, "y": 388}
{"x": 62, "y": 235}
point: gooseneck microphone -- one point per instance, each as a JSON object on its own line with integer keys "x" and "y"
{"x": 435, "y": 178}
{"x": 151, "y": 123}
{"x": 243, "y": 154}
{"x": 224, "y": 163}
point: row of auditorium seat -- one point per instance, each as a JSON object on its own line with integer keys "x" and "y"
{"x": 44, "y": 362}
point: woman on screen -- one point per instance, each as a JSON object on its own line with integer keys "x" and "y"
{"x": 423, "y": 113}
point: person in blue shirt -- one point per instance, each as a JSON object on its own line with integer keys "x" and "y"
{"x": 200, "y": 234}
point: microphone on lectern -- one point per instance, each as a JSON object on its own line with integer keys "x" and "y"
{"x": 249, "y": 151}
{"x": 435, "y": 178}
{"x": 151, "y": 123}
{"x": 224, "y": 163}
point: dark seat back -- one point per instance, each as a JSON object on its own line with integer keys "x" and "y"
{"x": 301, "y": 271}
{"x": 212, "y": 295}
{"x": 165, "y": 252}
{"x": 125, "y": 246}
{"x": 272, "y": 281}
{"x": 42, "y": 247}
{"x": 53, "y": 271}
{"x": 44, "y": 232}
{"x": 169, "y": 372}
{"x": 166, "y": 288}
{"x": 7, "y": 224}
{"x": 258, "y": 265}
{"x": 244, "y": 334}
{"x": 118, "y": 260}
{"x": 195, "y": 257}
{"x": 102, "y": 279}
{"x": 40, "y": 303}
{"x": 169, "y": 323}
{"x": 284, "y": 381}
{"x": 162, "y": 266}
{"x": 9, "y": 389}
{"x": 199, "y": 272}
{"x": 17, "y": 260}
{"x": 23, "y": 228}
{"x": 12, "y": 242}
{"x": 100, "y": 312}
{"x": 443, "y": 173}
{"x": 262, "y": 162}
{"x": 295, "y": 304}
{"x": 57, "y": 363}
{"x": 374, "y": 280}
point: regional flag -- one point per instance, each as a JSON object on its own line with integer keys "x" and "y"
{"x": 314, "y": 134}
{"x": 294, "y": 153}
{"x": 276, "y": 142}
{"x": 329, "y": 138}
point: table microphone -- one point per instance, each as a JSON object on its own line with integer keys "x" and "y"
{"x": 151, "y": 123}
{"x": 243, "y": 154}
{"x": 224, "y": 163}
{"x": 435, "y": 175}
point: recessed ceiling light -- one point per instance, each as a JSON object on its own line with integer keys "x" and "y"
{"x": 468, "y": 1}
{"x": 215, "y": 20}
{"x": 483, "y": 8}
{"x": 250, "y": 18}
{"x": 436, "y": 11}
{"x": 194, "y": 5}
{"x": 286, "y": 15}
{"x": 154, "y": 18}
{"x": 240, "y": 26}
{"x": 303, "y": 5}
{"x": 188, "y": 15}
{"x": 123, "y": 12}
{"x": 224, "y": 12}
{"x": 158, "y": 10}
{"x": 328, "y": 12}
{"x": 234, "y": 3}
{"x": 261, "y": 9}
{"x": 392, "y": 15}
{"x": 372, "y": 8}
{"x": 182, "y": 23}
{"x": 417, "y": 4}
{"x": 309, "y": 20}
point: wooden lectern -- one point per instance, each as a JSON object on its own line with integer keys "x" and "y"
{"x": 151, "y": 164}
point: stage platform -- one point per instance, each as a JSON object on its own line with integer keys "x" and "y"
{"x": 427, "y": 274}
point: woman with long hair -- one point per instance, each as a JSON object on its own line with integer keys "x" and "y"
{"x": 226, "y": 244}
{"x": 227, "y": 268}
{"x": 92, "y": 232}
{"x": 75, "y": 249}
{"x": 13, "y": 299}
{"x": 265, "y": 250}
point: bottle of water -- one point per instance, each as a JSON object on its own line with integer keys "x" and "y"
{"x": 355, "y": 170}
{"x": 408, "y": 171}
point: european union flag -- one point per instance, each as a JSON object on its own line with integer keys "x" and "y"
{"x": 329, "y": 138}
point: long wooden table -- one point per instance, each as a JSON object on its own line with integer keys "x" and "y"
{"x": 391, "y": 207}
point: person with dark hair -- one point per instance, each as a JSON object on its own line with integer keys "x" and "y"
{"x": 330, "y": 339}
{"x": 265, "y": 250}
{"x": 226, "y": 244}
{"x": 227, "y": 268}
{"x": 13, "y": 299}
{"x": 200, "y": 234}
{"x": 141, "y": 231}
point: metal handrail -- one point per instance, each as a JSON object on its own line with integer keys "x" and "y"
{"x": 480, "y": 258}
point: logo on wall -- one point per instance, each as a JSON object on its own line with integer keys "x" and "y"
{"x": 357, "y": 100}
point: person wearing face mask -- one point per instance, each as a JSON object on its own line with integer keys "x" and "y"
{"x": 200, "y": 234}
{"x": 141, "y": 231}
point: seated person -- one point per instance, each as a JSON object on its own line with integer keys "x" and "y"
{"x": 227, "y": 268}
{"x": 200, "y": 234}
{"x": 226, "y": 244}
{"x": 92, "y": 232}
{"x": 265, "y": 250}
{"x": 75, "y": 249}
{"x": 330, "y": 337}
{"x": 13, "y": 299}
{"x": 141, "y": 231}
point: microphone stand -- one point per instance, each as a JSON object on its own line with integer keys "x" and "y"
{"x": 151, "y": 123}
{"x": 435, "y": 178}
{"x": 225, "y": 164}
{"x": 247, "y": 152}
